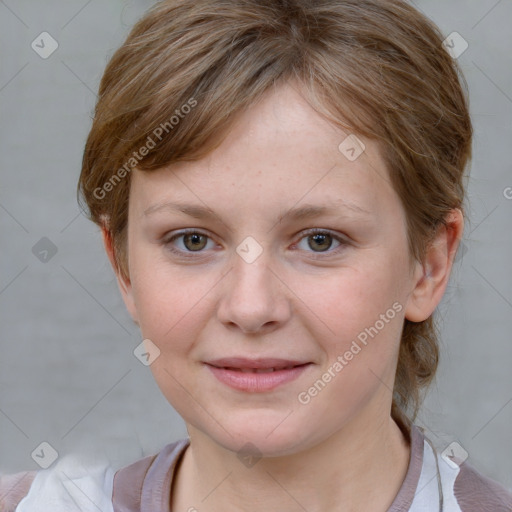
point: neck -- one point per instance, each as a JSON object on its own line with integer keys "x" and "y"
{"x": 360, "y": 467}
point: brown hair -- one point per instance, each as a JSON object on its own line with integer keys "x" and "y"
{"x": 374, "y": 67}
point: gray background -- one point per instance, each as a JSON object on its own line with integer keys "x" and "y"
{"x": 68, "y": 375}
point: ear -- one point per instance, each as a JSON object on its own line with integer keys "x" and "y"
{"x": 125, "y": 286}
{"x": 431, "y": 278}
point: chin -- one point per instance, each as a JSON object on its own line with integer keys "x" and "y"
{"x": 260, "y": 440}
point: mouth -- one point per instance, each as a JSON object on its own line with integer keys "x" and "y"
{"x": 257, "y": 376}
{"x": 262, "y": 363}
{"x": 259, "y": 370}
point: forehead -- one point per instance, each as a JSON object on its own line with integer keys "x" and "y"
{"x": 279, "y": 151}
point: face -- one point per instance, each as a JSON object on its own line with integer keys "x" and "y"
{"x": 254, "y": 280}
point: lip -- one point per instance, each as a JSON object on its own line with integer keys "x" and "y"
{"x": 257, "y": 382}
{"x": 261, "y": 363}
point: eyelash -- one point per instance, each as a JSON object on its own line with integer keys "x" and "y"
{"x": 305, "y": 234}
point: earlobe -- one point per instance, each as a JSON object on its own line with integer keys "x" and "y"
{"x": 124, "y": 283}
{"x": 431, "y": 278}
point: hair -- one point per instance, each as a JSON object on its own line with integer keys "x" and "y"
{"x": 374, "y": 67}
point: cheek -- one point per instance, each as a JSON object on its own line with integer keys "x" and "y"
{"x": 169, "y": 301}
{"x": 361, "y": 313}
{"x": 348, "y": 300}
{"x": 349, "y": 305}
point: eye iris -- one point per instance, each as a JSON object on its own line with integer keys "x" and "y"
{"x": 196, "y": 244}
{"x": 319, "y": 237}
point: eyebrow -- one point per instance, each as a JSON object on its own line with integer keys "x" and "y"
{"x": 297, "y": 213}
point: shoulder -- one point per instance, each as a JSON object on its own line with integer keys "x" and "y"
{"x": 465, "y": 489}
{"x": 70, "y": 484}
{"x": 74, "y": 483}
{"x": 13, "y": 488}
{"x": 146, "y": 482}
{"x": 449, "y": 483}
{"x": 476, "y": 492}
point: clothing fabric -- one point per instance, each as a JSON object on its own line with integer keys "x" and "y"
{"x": 431, "y": 484}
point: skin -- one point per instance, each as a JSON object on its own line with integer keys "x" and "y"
{"x": 343, "y": 444}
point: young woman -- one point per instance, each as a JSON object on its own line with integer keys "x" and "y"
{"x": 280, "y": 190}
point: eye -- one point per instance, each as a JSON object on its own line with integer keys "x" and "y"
{"x": 194, "y": 241}
{"x": 322, "y": 240}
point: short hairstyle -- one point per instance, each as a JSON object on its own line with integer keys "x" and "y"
{"x": 373, "y": 67}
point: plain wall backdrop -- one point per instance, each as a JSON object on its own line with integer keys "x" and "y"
{"x": 68, "y": 375}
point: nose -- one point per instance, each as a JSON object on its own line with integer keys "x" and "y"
{"x": 254, "y": 298}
